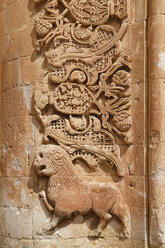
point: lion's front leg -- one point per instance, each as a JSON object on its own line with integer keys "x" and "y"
{"x": 55, "y": 218}
{"x": 52, "y": 225}
{"x": 44, "y": 198}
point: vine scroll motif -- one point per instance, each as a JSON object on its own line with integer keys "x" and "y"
{"x": 83, "y": 103}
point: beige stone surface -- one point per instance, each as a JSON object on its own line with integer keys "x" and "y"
{"x": 15, "y": 243}
{"x": 141, "y": 10}
{"x": 156, "y": 129}
{"x": 157, "y": 90}
{"x": 16, "y": 223}
{"x": 133, "y": 244}
{"x": 16, "y": 192}
{"x": 85, "y": 243}
{"x": 157, "y": 174}
{"x": 29, "y": 108}
{"x": 157, "y": 7}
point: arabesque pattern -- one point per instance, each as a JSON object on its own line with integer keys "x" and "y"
{"x": 83, "y": 103}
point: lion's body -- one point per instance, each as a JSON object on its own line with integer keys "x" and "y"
{"x": 67, "y": 194}
{"x": 80, "y": 197}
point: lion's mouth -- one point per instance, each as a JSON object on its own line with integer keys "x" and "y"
{"x": 42, "y": 167}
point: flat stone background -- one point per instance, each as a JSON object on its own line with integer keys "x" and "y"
{"x": 22, "y": 214}
{"x": 156, "y": 124}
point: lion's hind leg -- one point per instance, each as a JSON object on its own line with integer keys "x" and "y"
{"x": 104, "y": 219}
{"x": 121, "y": 211}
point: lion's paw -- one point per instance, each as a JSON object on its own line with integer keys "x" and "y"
{"x": 42, "y": 194}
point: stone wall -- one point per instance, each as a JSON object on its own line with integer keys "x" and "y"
{"x": 131, "y": 177}
{"x": 156, "y": 124}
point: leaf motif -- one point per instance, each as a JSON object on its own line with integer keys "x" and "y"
{"x": 89, "y": 12}
{"x": 42, "y": 27}
{"x": 123, "y": 121}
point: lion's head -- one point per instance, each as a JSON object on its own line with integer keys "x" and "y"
{"x": 48, "y": 159}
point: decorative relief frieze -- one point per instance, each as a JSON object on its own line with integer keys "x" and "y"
{"x": 83, "y": 104}
{"x": 67, "y": 193}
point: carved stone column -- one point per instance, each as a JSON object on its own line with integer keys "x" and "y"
{"x": 157, "y": 123}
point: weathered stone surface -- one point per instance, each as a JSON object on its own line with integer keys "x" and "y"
{"x": 15, "y": 243}
{"x": 136, "y": 163}
{"x": 138, "y": 68}
{"x": 157, "y": 157}
{"x": 138, "y": 224}
{"x": 141, "y": 10}
{"x": 157, "y": 227}
{"x": 82, "y": 131}
{"x": 85, "y": 243}
{"x": 16, "y": 192}
{"x": 16, "y": 130}
{"x": 138, "y": 37}
{"x": 133, "y": 244}
{"x": 89, "y": 109}
{"x": 17, "y": 223}
{"x": 138, "y": 104}
{"x": 156, "y": 129}
{"x": 157, "y": 7}
{"x": 157, "y": 91}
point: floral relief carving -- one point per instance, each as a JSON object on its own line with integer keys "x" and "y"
{"x": 67, "y": 193}
{"x": 83, "y": 105}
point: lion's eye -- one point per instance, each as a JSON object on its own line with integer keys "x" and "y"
{"x": 41, "y": 155}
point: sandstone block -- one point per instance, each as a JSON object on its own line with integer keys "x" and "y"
{"x": 15, "y": 192}
{"x": 138, "y": 191}
{"x": 141, "y": 10}
{"x": 22, "y": 42}
{"x": 138, "y": 104}
{"x": 16, "y": 130}
{"x": 156, "y": 30}
{"x": 134, "y": 157}
{"x": 79, "y": 243}
{"x": 11, "y": 76}
{"x": 138, "y": 73}
{"x": 139, "y": 224}
{"x": 157, "y": 124}
{"x": 157, "y": 65}
{"x": 138, "y": 39}
{"x": 15, "y": 161}
{"x": 17, "y": 223}
{"x": 157, "y": 228}
{"x": 23, "y": 16}
{"x": 157, "y": 91}
{"x": 30, "y": 72}
{"x": 157, "y": 7}
{"x": 15, "y": 243}
{"x": 133, "y": 244}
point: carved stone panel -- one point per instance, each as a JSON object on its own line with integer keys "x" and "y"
{"x": 84, "y": 107}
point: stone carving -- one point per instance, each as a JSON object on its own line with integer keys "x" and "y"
{"x": 67, "y": 193}
{"x": 84, "y": 101}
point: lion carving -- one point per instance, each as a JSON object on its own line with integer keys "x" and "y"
{"x": 66, "y": 193}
